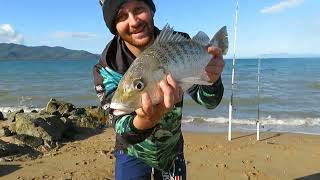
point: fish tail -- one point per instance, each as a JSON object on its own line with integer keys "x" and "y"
{"x": 220, "y": 39}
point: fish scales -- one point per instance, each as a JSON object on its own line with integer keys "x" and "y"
{"x": 186, "y": 57}
{"x": 179, "y": 53}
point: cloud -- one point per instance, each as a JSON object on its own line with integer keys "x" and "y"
{"x": 9, "y": 35}
{"x": 281, "y": 6}
{"x": 79, "y": 35}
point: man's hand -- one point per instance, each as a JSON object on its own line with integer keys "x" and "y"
{"x": 216, "y": 64}
{"x": 169, "y": 93}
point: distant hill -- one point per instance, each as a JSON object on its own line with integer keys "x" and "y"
{"x": 21, "y": 52}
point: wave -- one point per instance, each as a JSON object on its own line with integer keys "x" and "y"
{"x": 220, "y": 124}
{"x": 6, "y": 110}
{"x": 266, "y": 121}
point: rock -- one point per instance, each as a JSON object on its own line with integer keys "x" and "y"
{"x": 12, "y": 127}
{"x": 58, "y": 120}
{"x": 52, "y": 106}
{"x": 98, "y": 114}
{"x": 30, "y": 140}
{"x": 78, "y": 112}
{"x": 56, "y": 113}
{"x": 44, "y": 129}
{"x": 7, "y": 149}
{"x": 89, "y": 117}
{"x": 12, "y": 115}
{"x": 67, "y": 122}
{"x": 47, "y": 127}
{"x": 4, "y": 131}
{"x": 84, "y": 122}
{"x": 60, "y": 106}
{"x": 1, "y": 116}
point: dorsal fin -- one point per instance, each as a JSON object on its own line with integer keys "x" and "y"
{"x": 167, "y": 34}
{"x": 201, "y": 38}
{"x": 220, "y": 39}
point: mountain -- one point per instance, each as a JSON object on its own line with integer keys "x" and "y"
{"x": 20, "y": 52}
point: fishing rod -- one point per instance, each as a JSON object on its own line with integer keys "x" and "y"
{"x": 258, "y": 99}
{"x": 233, "y": 71}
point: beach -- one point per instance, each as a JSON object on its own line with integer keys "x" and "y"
{"x": 207, "y": 155}
{"x": 289, "y": 110}
{"x": 59, "y": 74}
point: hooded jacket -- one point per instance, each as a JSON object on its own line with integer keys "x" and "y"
{"x": 159, "y": 145}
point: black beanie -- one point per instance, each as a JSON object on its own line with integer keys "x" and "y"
{"x": 110, "y": 10}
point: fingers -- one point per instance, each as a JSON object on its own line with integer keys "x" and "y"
{"x": 175, "y": 87}
{"x": 147, "y": 103}
{"x": 214, "y": 51}
{"x": 216, "y": 64}
{"x": 168, "y": 94}
{"x": 172, "y": 92}
{"x": 216, "y": 61}
{"x": 147, "y": 107}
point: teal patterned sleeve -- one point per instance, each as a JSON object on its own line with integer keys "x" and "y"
{"x": 129, "y": 134}
{"x": 208, "y": 96}
{"x": 122, "y": 125}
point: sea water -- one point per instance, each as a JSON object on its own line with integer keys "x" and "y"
{"x": 289, "y": 92}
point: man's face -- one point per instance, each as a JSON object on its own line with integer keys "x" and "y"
{"x": 134, "y": 23}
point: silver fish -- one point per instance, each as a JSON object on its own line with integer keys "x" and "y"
{"x": 185, "y": 59}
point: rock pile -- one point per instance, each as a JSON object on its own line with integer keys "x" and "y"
{"x": 59, "y": 121}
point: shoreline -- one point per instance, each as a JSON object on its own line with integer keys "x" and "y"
{"x": 245, "y": 128}
{"x": 220, "y": 124}
{"x": 208, "y": 155}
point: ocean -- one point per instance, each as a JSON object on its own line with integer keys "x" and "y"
{"x": 289, "y": 93}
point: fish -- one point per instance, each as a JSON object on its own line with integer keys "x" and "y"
{"x": 171, "y": 53}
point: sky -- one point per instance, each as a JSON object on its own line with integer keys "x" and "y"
{"x": 264, "y": 26}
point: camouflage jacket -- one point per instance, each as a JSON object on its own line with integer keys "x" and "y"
{"x": 159, "y": 145}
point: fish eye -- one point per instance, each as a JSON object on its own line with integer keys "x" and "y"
{"x": 138, "y": 84}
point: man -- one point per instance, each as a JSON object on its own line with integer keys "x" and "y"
{"x": 150, "y": 138}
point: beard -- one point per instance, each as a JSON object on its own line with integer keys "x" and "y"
{"x": 140, "y": 37}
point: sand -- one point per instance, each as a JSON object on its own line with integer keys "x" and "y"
{"x": 208, "y": 156}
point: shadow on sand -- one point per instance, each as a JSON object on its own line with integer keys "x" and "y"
{"x": 82, "y": 133}
{"x": 254, "y": 134}
{"x": 310, "y": 177}
{"x": 7, "y": 169}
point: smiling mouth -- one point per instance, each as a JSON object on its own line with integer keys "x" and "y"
{"x": 138, "y": 31}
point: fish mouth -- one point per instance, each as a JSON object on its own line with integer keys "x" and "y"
{"x": 122, "y": 107}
